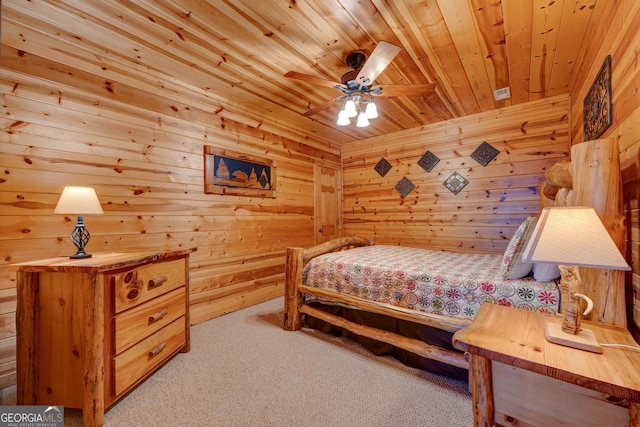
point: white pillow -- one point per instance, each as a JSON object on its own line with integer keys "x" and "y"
{"x": 512, "y": 265}
{"x": 545, "y": 272}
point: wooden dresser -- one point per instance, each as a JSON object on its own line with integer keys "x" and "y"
{"x": 89, "y": 330}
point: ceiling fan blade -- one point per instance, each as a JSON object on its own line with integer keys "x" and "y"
{"x": 310, "y": 79}
{"x": 310, "y": 112}
{"x": 381, "y": 56}
{"x": 416, "y": 90}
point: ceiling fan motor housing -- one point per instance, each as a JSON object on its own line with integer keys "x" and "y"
{"x": 354, "y": 60}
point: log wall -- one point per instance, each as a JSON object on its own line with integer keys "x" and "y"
{"x": 141, "y": 148}
{"x": 617, "y": 34}
{"x": 483, "y": 216}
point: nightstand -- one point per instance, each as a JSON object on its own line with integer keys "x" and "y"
{"x": 517, "y": 377}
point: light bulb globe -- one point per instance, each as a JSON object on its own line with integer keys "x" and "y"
{"x": 362, "y": 120}
{"x": 350, "y": 108}
{"x": 343, "y": 119}
{"x": 371, "y": 110}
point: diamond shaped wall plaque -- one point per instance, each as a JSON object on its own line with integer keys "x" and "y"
{"x": 455, "y": 182}
{"x": 428, "y": 161}
{"x": 383, "y": 167}
{"x": 484, "y": 153}
{"x": 404, "y": 186}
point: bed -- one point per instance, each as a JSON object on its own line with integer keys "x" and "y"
{"x": 412, "y": 300}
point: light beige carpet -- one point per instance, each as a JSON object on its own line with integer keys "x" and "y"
{"x": 245, "y": 370}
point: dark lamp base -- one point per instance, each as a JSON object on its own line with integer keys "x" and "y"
{"x": 80, "y": 255}
{"x": 80, "y": 237}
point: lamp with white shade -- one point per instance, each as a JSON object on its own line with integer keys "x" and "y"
{"x": 79, "y": 201}
{"x": 572, "y": 237}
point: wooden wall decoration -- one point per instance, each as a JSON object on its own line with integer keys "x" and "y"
{"x": 484, "y": 153}
{"x": 227, "y": 172}
{"x": 597, "y": 103}
{"x": 428, "y": 161}
{"x": 455, "y": 183}
{"x": 405, "y": 186}
{"x": 383, "y": 167}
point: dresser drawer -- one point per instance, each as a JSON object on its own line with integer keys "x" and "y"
{"x": 135, "y": 286}
{"x": 132, "y": 365}
{"x": 143, "y": 320}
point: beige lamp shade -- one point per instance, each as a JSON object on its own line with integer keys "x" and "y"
{"x": 573, "y": 236}
{"x": 78, "y": 201}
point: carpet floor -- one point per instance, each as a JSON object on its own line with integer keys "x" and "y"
{"x": 245, "y": 370}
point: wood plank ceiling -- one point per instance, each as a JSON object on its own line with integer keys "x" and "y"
{"x": 232, "y": 55}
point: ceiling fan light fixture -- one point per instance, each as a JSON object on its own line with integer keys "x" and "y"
{"x": 362, "y": 120}
{"x": 350, "y": 108}
{"x": 357, "y": 85}
{"x": 371, "y": 111}
{"x": 343, "y": 119}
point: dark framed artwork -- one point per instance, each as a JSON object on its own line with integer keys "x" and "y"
{"x": 597, "y": 103}
{"x": 228, "y": 172}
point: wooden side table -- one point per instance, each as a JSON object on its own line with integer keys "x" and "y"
{"x": 519, "y": 378}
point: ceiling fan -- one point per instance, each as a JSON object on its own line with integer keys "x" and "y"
{"x": 359, "y": 81}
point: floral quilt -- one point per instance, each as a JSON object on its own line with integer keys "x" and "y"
{"x": 446, "y": 283}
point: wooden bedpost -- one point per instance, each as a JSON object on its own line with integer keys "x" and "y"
{"x": 595, "y": 167}
{"x": 296, "y": 259}
{"x": 557, "y": 176}
{"x": 292, "y": 297}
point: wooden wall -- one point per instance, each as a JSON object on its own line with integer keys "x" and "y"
{"x": 617, "y": 33}
{"x": 483, "y": 216}
{"x": 141, "y": 147}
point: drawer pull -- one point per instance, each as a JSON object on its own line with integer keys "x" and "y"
{"x": 159, "y": 315}
{"x": 157, "y": 350}
{"x": 133, "y": 293}
{"x": 158, "y": 281}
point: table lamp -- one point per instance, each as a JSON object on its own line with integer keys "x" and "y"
{"x": 79, "y": 201}
{"x": 572, "y": 237}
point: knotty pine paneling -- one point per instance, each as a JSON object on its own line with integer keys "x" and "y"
{"x": 142, "y": 150}
{"x": 123, "y": 96}
{"x": 616, "y": 34}
{"x": 483, "y": 216}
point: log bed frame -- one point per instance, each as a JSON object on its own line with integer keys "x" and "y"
{"x": 592, "y": 178}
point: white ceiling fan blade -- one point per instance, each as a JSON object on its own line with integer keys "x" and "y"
{"x": 381, "y": 57}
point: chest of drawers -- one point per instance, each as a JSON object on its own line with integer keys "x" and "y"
{"x": 90, "y": 330}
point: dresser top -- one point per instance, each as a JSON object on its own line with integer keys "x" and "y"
{"x": 98, "y": 262}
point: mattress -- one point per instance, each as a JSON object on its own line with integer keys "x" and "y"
{"x": 445, "y": 283}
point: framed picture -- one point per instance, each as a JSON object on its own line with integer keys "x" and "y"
{"x": 228, "y": 172}
{"x": 597, "y": 103}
